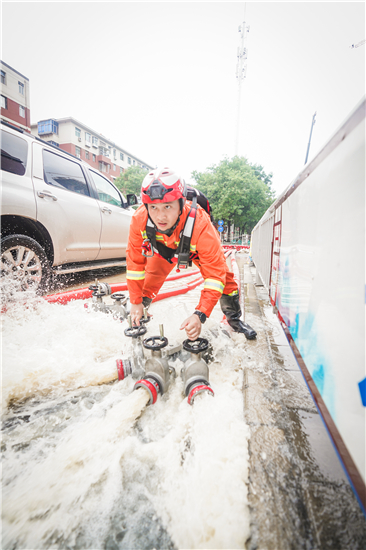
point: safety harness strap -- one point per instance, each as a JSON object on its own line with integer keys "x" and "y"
{"x": 184, "y": 249}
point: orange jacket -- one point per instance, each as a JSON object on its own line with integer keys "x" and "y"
{"x": 205, "y": 241}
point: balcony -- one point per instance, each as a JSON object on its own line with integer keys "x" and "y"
{"x": 105, "y": 160}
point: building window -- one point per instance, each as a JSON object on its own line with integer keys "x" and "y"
{"x": 21, "y": 88}
{"x": 47, "y": 127}
{"x": 114, "y": 167}
{"x": 77, "y": 132}
{"x": 120, "y": 170}
{"x": 3, "y": 77}
{"x": 129, "y": 160}
{"x": 114, "y": 154}
{"x": 77, "y": 152}
{"x": 134, "y": 162}
{"x": 87, "y": 139}
{"x": 103, "y": 167}
{"x": 21, "y": 111}
{"x": 87, "y": 155}
{"x": 53, "y": 143}
{"x": 94, "y": 141}
{"x": 94, "y": 159}
{"x": 4, "y": 102}
{"x": 121, "y": 156}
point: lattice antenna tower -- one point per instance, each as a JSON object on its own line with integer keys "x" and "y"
{"x": 241, "y": 73}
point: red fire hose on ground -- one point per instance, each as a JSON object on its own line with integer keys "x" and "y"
{"x": 235, "y": 247}
{"x": 85, "y": 293}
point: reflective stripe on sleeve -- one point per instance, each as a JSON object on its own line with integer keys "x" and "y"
{"x": 135, "y": 275}
{"x": 234, "y": 293}
{"x": 212, "y": 284}
{"x": 144, "y": 234}
{"x": 193, "y": 247}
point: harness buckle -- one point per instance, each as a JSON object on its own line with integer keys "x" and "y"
{"x": 146, "y": 248}
{"x": 183, "y": 260}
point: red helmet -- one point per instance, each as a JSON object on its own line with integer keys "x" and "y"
{"x": 162, "y": 185}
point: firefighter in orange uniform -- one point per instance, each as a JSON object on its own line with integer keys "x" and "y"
{"x": 167, "y": 231}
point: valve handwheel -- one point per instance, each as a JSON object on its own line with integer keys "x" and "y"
{"x": 155, "y": 342}
{"x": 143, "y": 320}
{"x": 134, "y": 332}
{"x": 119, "y": 296}
{"x": 196, "y": 346}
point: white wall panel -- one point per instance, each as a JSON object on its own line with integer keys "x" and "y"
{"x": 321, "y": 281}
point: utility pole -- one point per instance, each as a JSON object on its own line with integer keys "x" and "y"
{"x": 311, "y": 131}
{"x": 241, "y": 71}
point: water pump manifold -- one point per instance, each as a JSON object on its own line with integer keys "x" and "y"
{"x": 134, "y": 365}
{"x": 99, "y": 291}
{"x": 195, "y": 373}
{"x": 157, "y": 371}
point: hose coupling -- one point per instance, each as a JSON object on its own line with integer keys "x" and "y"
{"x": 151, "y": 386}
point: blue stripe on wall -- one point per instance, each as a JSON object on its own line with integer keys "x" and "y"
{"x": 362, "y": 386}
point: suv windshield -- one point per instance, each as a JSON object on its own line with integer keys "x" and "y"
{"x": 14, "y": 152}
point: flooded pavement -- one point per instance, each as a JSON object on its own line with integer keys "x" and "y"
{"x": 87, "y": 465}
{"x": 299, "y": 495}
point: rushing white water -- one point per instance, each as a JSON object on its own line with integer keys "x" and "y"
{"x": 86, "y": 465}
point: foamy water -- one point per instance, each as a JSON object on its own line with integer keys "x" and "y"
{"x": 87, "y": 465}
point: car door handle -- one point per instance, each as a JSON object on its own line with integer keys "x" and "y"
{"x": 106, "y": 210}
{"x": 43, "y": 194}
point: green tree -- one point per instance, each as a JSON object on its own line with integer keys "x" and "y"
{"x": 239, "y": 192}
{"x": 261, "y": 175}
{"x": 130, "y": 181}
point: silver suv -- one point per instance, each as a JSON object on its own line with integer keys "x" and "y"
{"x": 58, "y": 215}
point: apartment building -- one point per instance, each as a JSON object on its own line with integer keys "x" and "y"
{"x": 15, "y": 101}
{"x": 78, "y": 139}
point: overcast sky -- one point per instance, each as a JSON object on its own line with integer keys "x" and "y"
{"x": 158, "y": 78}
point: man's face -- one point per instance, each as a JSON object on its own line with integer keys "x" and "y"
{"x": 164, "y": 214}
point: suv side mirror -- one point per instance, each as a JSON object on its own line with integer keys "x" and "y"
{"x": 131, "y": 199}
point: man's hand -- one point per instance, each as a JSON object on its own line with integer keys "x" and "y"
{"x": 193, "y": 327}
{"x": 136, "y": 312}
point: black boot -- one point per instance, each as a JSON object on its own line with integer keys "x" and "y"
{"x": 231, "y": 308}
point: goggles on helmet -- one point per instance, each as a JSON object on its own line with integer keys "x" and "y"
{"x": 156, "y": 191}
{"x": 162, "y": 185}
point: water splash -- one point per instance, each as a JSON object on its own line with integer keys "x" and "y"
{"x": 84, "y": 469}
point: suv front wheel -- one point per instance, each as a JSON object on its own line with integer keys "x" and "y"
{"x": 24, "y": 265}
